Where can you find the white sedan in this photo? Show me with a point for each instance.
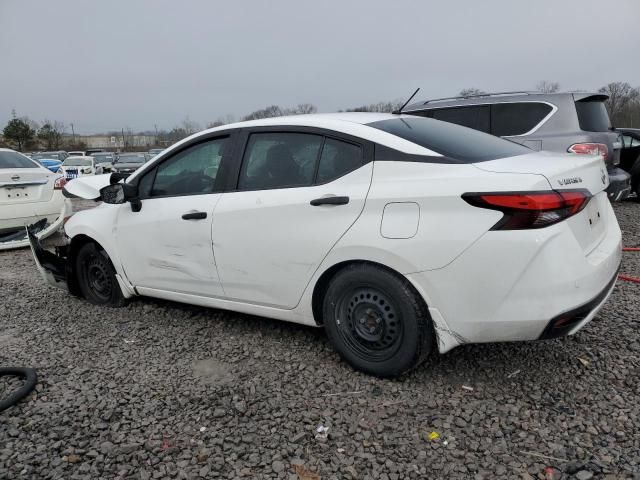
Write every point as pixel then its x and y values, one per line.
pixel 29 194
pixel 400 235
pixel 80 166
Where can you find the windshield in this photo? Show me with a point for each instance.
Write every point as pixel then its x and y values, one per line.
pixel 101 158
pixel 459 143
pixel 593 116
pixel 47 156
pixel 15 160
pixel 131 159
pixel 77 162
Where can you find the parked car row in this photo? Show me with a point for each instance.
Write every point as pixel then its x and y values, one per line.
pixel 558 122
pixel 93 161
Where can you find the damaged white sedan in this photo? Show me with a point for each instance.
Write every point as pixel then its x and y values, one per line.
pixel 30 194
pixel 400 235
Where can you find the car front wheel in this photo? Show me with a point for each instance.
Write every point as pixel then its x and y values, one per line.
pixel 97 277
pixel 376 321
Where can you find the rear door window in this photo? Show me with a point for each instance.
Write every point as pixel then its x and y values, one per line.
pixel 517 118
pixel 593 116
pixel 15 160
pixel 338 158
pixel 477 116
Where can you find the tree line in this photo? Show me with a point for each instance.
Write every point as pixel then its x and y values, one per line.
pixel 23 133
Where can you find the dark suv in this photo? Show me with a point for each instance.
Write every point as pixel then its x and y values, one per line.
pixel 558 122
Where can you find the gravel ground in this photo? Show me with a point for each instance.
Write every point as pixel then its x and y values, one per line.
pixel 160 389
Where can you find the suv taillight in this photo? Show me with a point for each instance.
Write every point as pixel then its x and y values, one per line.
pixel 525 210
pixel 59 183
pixel 590 149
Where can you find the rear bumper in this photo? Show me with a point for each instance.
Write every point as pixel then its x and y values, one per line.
pixel 53 222
pixel 619 184
pixel 508 286
pixel 570 322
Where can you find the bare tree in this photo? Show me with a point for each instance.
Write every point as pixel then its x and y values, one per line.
pixel 189 126
pixel 468 92
pixel 270 111
pixel 51 134
pixel 547 87
pixel 623 102
pixel 301 109
pixel 382 107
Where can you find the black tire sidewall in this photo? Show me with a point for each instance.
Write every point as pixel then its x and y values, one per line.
pixel 116 298
pixel 417 337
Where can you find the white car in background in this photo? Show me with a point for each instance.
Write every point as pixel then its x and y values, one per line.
pixel 399 234
pixel 74 167
pixel 30 194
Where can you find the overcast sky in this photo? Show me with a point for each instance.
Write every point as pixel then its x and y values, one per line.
pixel 133 63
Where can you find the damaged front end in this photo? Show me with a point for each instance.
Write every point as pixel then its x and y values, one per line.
pixel 51 256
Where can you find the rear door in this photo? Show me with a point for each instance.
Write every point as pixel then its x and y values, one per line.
pixel 593 118
pixel 297 192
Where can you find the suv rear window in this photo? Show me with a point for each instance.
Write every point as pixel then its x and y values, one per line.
pixel 476 117
pixel 459 143
pixel 15 160
pixel 593 116
pixel 517 118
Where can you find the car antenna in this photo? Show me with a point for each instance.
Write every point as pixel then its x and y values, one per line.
pixel 399 111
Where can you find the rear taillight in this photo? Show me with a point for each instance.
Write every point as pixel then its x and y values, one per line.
pixel 524 210
pixel 59 183
pixel 590 149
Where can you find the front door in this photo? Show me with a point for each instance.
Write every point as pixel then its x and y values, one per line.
pixel 297 194
pixel 167 244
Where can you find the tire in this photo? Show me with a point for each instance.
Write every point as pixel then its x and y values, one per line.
pixel 30 380
pixel 97 277
pixel 376 321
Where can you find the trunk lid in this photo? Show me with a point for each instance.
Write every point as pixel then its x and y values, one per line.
pixel 562 171
pixel 25 185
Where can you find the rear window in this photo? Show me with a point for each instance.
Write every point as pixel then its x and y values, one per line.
pixel 459 143
pixel 517 118
pixel 15 160
pixel 593 116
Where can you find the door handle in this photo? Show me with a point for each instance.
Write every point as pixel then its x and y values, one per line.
pixel 194 216
pixel 329 201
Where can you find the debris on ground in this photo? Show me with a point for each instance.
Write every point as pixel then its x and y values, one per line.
pixel 322 432
pixel 304 474
pixel 433 436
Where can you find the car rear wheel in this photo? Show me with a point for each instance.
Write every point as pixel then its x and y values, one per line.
pixel 97 277
pixel 376 321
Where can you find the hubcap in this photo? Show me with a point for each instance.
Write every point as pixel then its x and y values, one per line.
pixel 369 323
pixel 98 277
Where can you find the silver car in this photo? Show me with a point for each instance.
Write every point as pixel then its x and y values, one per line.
pixel 559 122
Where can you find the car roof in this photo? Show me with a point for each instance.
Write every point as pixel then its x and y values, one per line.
pixel 350 123
pixel 499 97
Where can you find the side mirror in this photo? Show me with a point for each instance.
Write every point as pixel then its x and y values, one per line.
pixel 113 194
pixel 118 193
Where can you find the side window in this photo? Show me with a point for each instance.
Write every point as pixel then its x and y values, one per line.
pixel 277 160
pixel 517 118
pixel 338 158
pixel 628 142
pixel 476 117
pixel 190 172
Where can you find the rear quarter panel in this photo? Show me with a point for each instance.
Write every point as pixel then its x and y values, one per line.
pixel 447 224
